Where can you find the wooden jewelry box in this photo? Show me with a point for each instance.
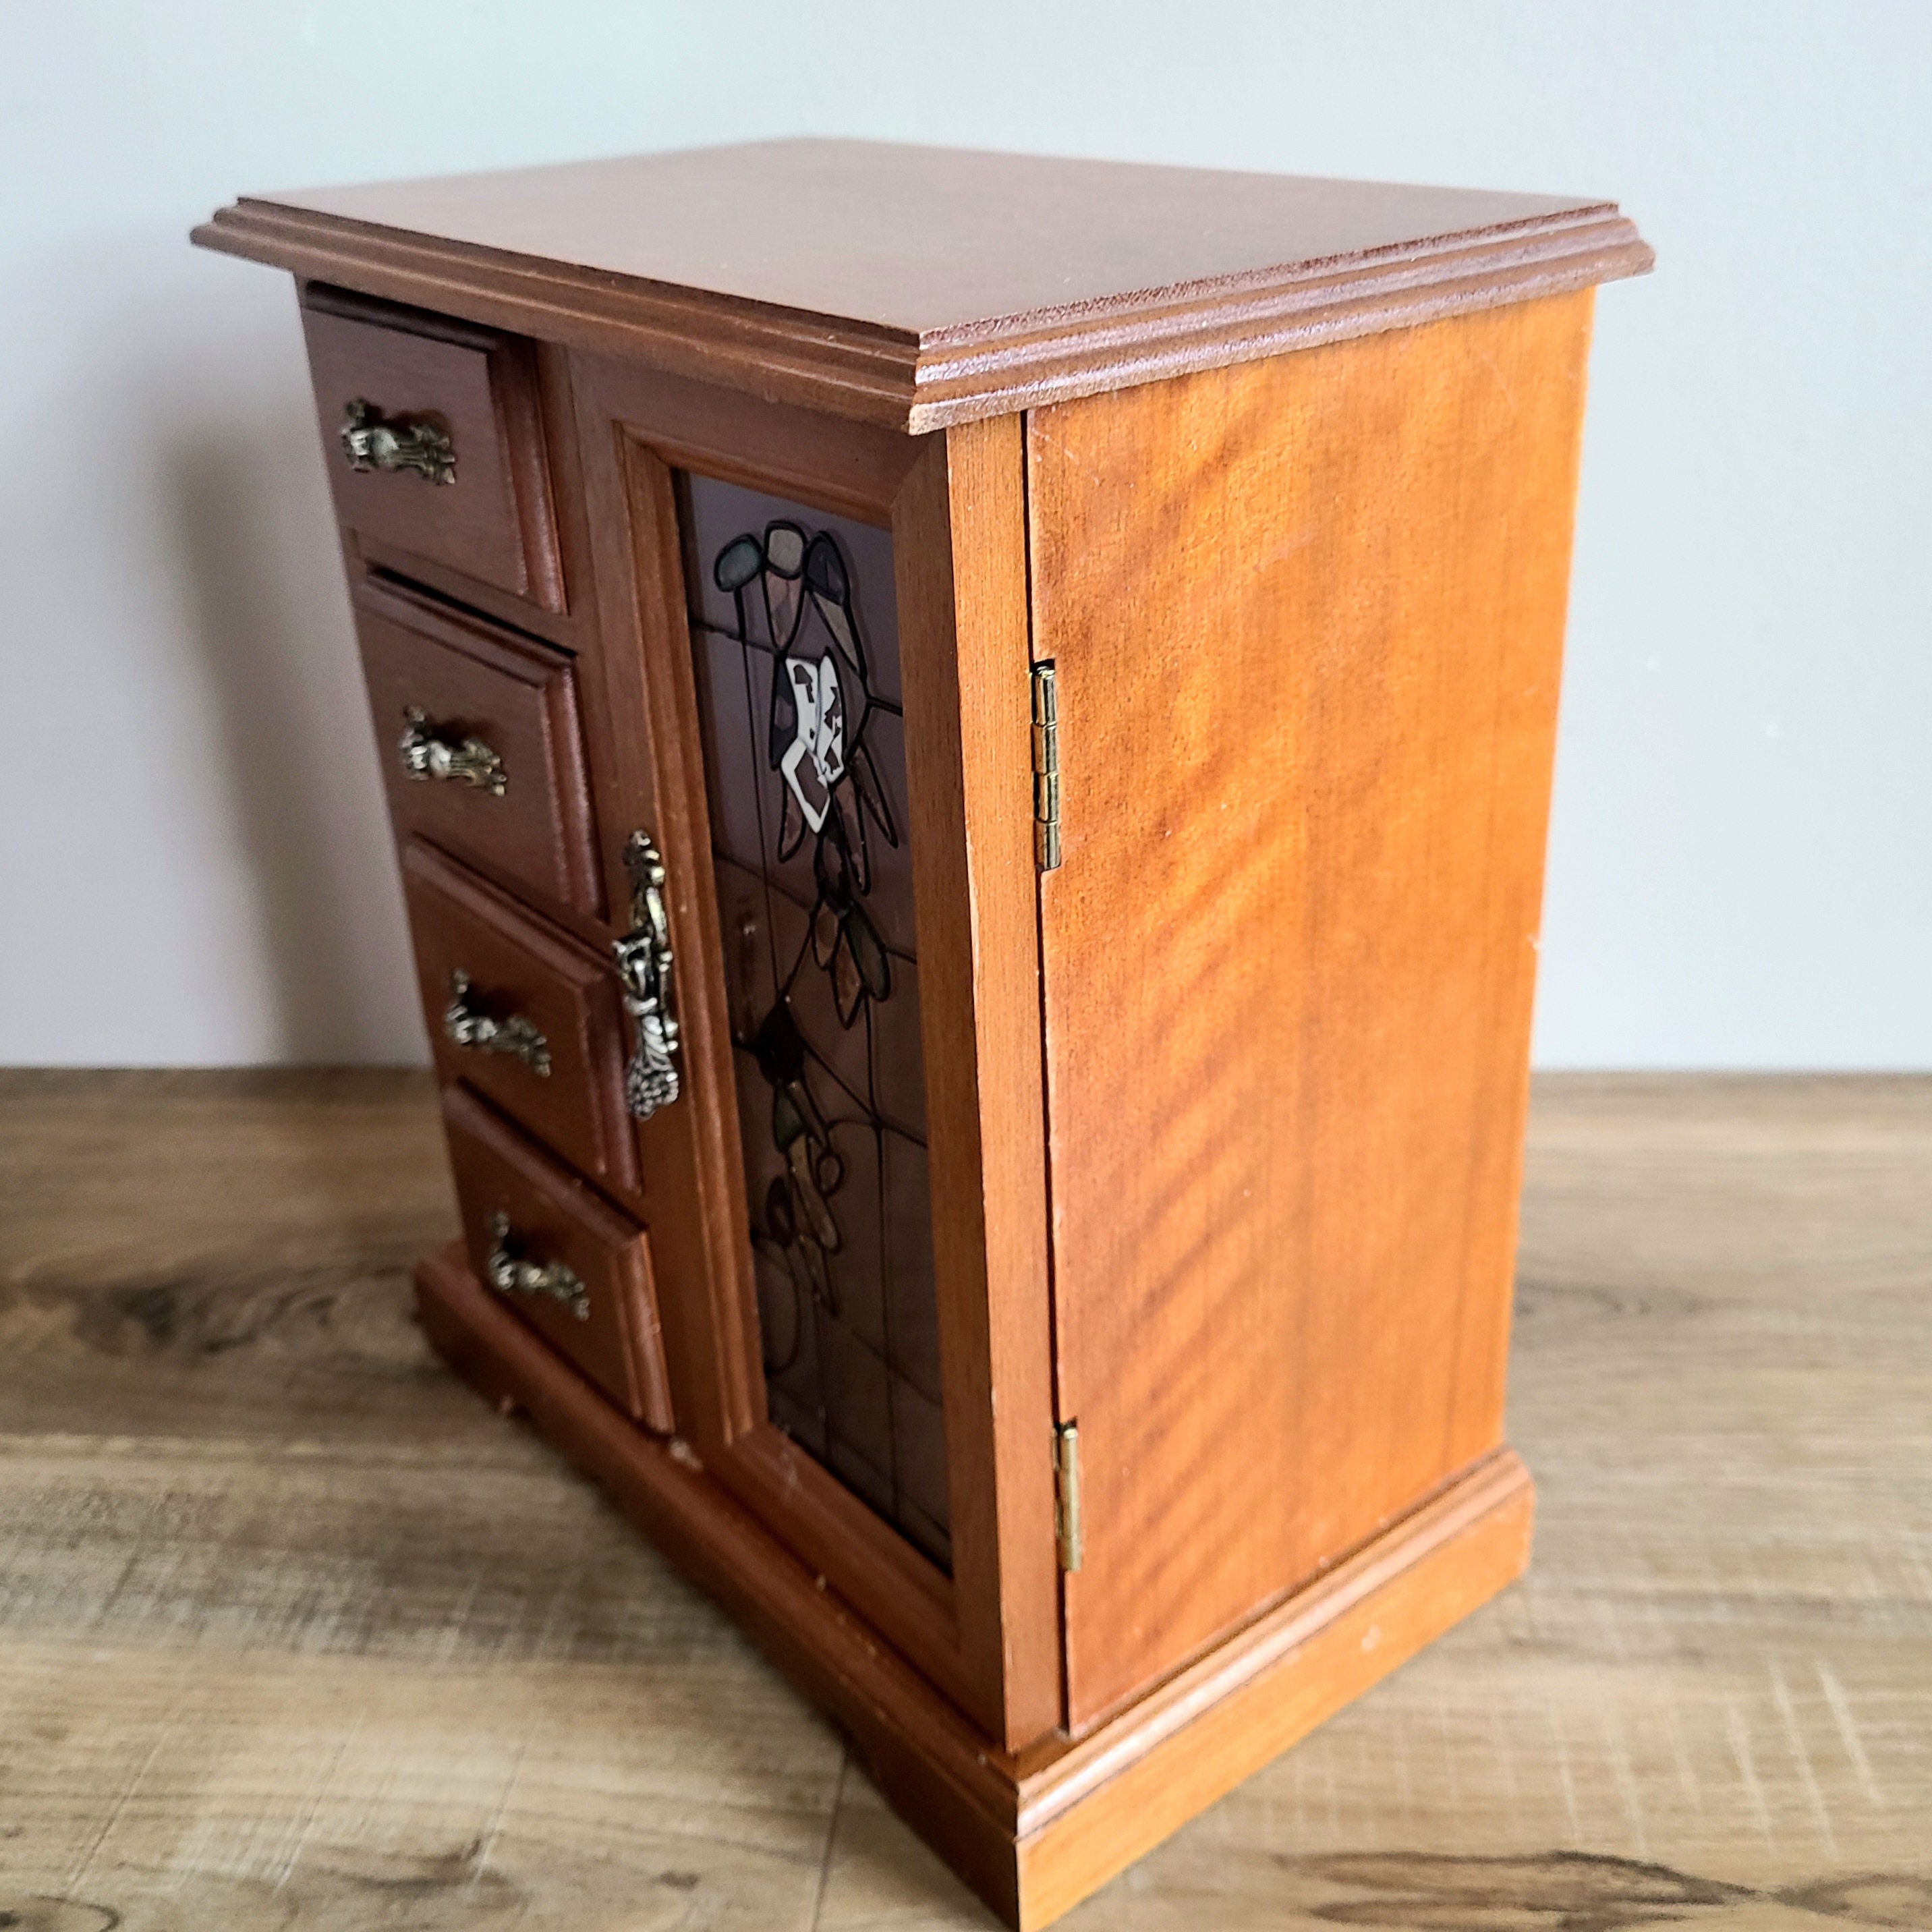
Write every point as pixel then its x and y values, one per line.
pixel 969 738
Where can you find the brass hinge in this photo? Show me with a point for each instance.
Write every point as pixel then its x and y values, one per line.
pixel 1045 768
pixel 1066 1493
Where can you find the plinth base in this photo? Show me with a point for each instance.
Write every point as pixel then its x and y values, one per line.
pixel 1033 1833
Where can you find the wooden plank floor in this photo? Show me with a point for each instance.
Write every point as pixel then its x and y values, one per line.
pixel 294 1632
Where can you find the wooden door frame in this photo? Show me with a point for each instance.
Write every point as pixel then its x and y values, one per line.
pixel 989 1635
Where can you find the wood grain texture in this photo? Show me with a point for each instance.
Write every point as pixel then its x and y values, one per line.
pixel 295 1632
pixel 933 286
pixel 1034 1833
pixel 631 424
pixel 1307 617
pixel 471 679
pixel 519 968
pixel 960 555
pixel 1153 1770
pixel 854 468
pixel 496 522
pixel 989 1634
pixel 555 1217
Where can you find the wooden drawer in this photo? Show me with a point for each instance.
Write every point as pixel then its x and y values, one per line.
pixel 545 1024
pixel 481 744
pixel 571 1265
pixel 474 494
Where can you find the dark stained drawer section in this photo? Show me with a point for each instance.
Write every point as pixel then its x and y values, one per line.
pixel 527 1014
pixel 575 1269
pixel 447 414
pixel 481 744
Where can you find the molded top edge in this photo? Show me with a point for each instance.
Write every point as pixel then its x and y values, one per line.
pixel 936 268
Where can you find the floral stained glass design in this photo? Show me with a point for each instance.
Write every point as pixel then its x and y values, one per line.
pixel 795 642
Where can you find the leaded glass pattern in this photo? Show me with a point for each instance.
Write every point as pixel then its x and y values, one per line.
pixel 795 641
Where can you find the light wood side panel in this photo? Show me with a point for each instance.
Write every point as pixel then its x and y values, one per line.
pixel 1297 1669
pixel 960 546
pixel 1307 616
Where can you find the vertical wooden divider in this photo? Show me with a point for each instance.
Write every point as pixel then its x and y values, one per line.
pixel 959 530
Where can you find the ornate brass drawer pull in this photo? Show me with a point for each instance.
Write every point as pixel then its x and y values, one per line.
pixel 547 1281
pixel 428 754
pixel 467 1025
pixel 643 964
pixel 398 443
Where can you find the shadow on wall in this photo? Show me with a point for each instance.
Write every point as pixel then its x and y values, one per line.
pixel 270 619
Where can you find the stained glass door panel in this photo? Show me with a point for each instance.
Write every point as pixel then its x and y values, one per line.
pixel 795 642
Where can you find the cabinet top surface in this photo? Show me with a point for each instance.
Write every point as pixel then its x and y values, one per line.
pixel 924 241
pixel 922 257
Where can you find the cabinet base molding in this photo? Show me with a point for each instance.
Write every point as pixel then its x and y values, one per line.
pixel 1032 1833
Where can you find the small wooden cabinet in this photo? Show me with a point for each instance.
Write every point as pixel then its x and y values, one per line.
pixel 971 740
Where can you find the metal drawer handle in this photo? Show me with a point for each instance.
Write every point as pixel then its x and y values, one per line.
pixel 547 1281
pixel 415 443
pixel 643 965
pixel 467 1025
pixel 428 752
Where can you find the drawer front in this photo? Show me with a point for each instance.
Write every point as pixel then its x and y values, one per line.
pixel 448 459
pixel 526 1015
pixel 570 1264
pixel 482 744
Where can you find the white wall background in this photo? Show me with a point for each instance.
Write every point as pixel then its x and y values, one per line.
pixel 193 867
